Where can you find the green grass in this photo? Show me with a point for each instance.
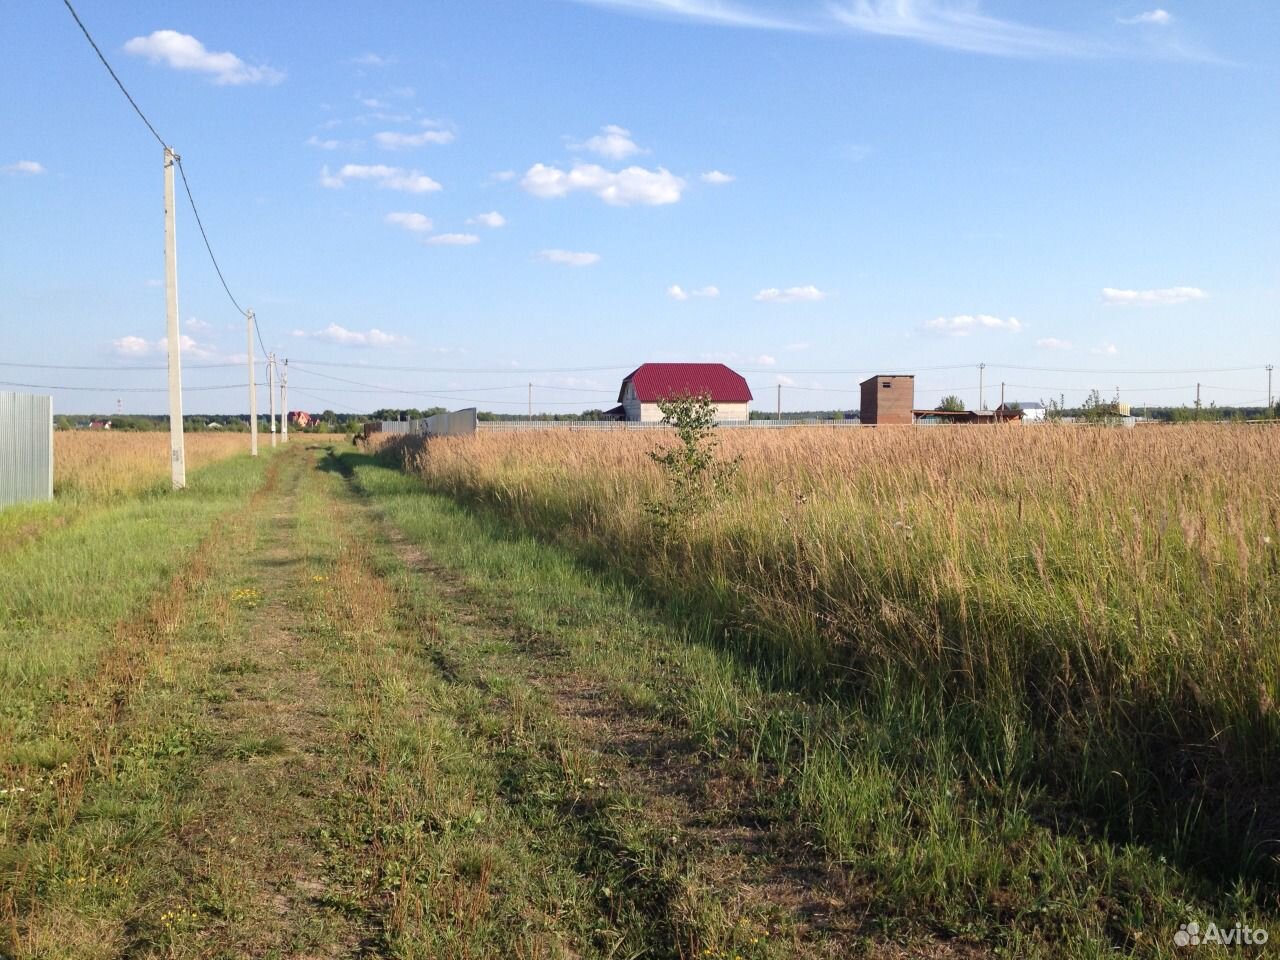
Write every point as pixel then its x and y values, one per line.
pixel 940 842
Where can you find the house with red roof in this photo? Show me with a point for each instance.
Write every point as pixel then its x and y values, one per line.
pixel 649 383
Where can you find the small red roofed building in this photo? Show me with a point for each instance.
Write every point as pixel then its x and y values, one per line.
pixel 649 383
pixel 300 418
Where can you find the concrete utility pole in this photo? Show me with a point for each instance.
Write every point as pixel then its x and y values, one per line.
pixel 177 444
pixel 1197 396
pixel 1270 367
pixel 1002 394
pixel 253 392
pixel 982 401
pixel 284 402
pixel 779 402
pixel 271 395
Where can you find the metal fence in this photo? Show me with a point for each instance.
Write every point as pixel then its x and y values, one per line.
pixel 515 426
pixel 459 423
pixel 26 448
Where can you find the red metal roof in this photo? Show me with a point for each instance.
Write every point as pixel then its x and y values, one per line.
pixel 657 381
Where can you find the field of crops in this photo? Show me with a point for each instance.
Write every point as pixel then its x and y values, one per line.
pixel 1086 613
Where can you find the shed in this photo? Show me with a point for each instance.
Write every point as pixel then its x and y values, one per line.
pixel 650 383
pixel 888 398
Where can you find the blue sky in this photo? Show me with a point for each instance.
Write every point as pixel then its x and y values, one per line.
pixel 553 191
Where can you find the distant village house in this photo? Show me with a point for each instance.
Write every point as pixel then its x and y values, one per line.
pixel 650 383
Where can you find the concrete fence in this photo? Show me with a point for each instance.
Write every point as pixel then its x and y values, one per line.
pixel 26 448
pixel 516 426
pixel 459 423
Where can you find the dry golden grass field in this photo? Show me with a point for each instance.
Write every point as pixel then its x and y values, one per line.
pixel 100 463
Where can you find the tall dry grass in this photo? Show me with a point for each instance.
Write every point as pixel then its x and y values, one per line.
pixel 103 464
pixel 1093 611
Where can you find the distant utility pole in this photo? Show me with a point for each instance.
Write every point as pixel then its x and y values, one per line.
pixel 982 401
pixel 271 395
pixel 284 402
pixel 1197 396
pixel 531 401
pixel 779 401
pixel 253 392
pixel 1001 394
pixel 1270 367
pixel 177 445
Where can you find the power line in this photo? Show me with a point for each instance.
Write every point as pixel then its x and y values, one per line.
pixel 58 386
pixel 205 237
pixel 127 96
pixel 114 369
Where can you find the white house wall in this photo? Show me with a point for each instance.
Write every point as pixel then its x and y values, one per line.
pixel 649 412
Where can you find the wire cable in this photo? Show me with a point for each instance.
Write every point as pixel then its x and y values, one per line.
pixel 207 246
pixel 133 103
pixel 117 368
pixel 58 386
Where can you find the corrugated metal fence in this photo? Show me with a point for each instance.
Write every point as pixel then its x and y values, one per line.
pixel 26 448
pixel 459 423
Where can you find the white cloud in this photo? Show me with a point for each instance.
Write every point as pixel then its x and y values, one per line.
pixel 765 360
pixel 391 140
pixel 1164 296
pixel 957 25
pixel 454 239
pixel 632 185
pixel 328 144
pixel 372 60
pixel 569 258
pixel 413 222
pixel 784 380
pixel 491 219
pixel 181 51
pixel 707 11
pixel 197 325
pixel 134 347
pixel 1156 17
pixel 1053 343
pixel 391 178
pixel 29 167
pixel 1106 350
pixel 717 178
pixel 334 333
pixel 965 324
pixel 613 142
pixel 790 295
pixel 677 292
pixel 503 176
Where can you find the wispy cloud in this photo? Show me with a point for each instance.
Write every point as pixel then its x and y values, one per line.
pixel 707 11
pixel 334 333
pixel 1106 350
pixel 1156 17
pixel 390 178
pixel 493 219
pixel 633 185
pixel 1163 297
pixel 569 258
pixel 413 222
pixel 23 167
pixel 808 293
pixel 613 142
pixel 373 60
pixel 798 347
pixel 717 178
pixel 1053 343
pixel 677 292
pixel 958 26
pixel 395 140
pixel 453 240
pixel 964 324
pixel 181 51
